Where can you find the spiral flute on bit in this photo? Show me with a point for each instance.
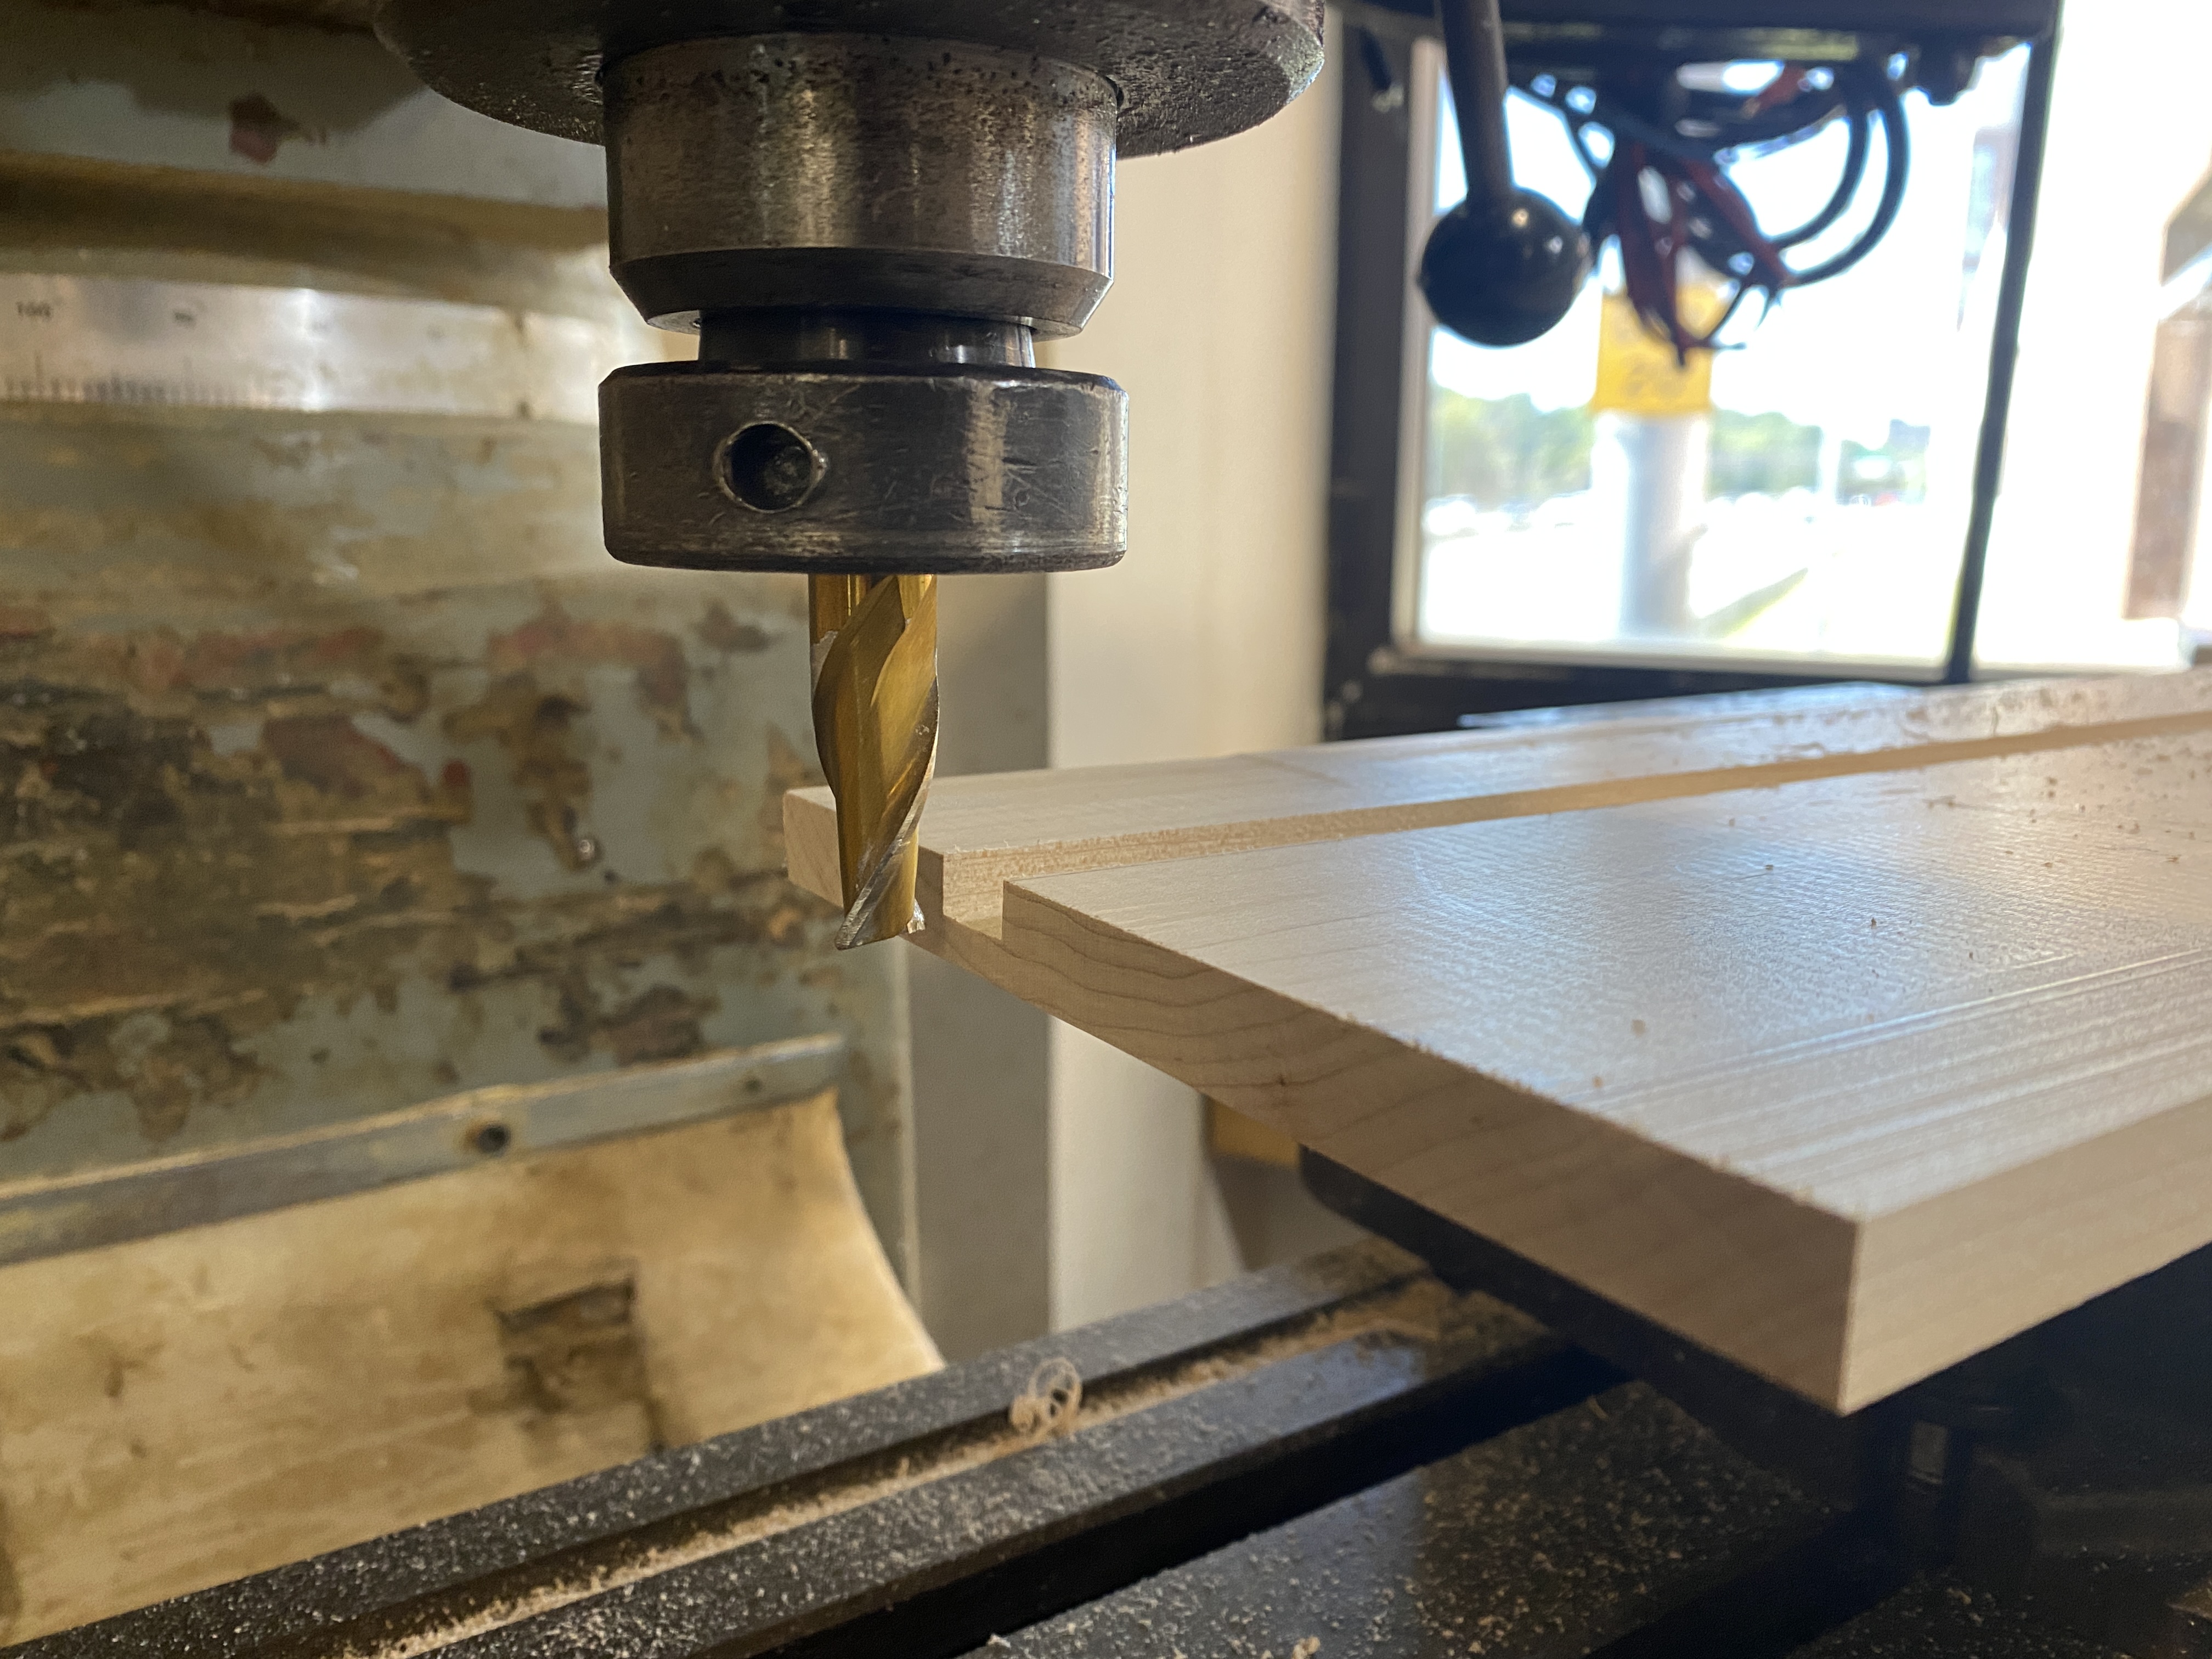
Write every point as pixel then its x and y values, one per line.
pixel 875 727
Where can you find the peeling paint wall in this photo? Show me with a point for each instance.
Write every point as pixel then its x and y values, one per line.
pixel 291 90
pixel 340 768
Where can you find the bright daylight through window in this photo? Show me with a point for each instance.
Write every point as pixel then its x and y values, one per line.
pixel 1802 501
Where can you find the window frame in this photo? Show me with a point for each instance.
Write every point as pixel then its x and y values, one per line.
pixel 1372 685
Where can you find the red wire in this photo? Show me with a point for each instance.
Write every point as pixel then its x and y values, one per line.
pixel 1650 255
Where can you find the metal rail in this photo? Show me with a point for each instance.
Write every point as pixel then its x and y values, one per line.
pixel 54 1214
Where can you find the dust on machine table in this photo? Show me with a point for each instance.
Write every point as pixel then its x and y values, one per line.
pixel 1344 1456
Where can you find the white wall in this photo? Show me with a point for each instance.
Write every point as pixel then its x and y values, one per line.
pixel 982 1061
pixel 2129 132
pixel 1207 639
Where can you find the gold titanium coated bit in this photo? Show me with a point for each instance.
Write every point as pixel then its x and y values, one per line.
pixel 875 727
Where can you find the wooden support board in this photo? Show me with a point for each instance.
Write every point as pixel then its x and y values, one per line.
pixel 1846 1041
pixel 182 1410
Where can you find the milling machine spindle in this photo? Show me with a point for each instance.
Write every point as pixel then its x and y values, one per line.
pixel 869 219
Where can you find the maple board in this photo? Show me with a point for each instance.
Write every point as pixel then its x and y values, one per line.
pixel 980 832
pixel 1845 1036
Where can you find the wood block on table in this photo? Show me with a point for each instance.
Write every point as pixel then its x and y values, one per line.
pixel 1845 1042
pixel 188 1408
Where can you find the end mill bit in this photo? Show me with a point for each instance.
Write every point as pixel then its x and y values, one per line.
pixel 875 726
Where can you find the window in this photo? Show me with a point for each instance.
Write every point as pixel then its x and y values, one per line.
pixel 1583 519
pixel 1570 503
pixel 2096 546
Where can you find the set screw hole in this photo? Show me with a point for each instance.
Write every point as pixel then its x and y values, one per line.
pixel 769 467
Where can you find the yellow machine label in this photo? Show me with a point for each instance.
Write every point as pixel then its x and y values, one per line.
pixel 1637 374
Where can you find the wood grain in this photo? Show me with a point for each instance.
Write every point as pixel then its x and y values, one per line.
pixel 1845 1076
pixel 180 1411
pixel 979 833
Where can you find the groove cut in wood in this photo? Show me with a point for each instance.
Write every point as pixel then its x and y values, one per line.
pixel 979 833
pixel 1844 1074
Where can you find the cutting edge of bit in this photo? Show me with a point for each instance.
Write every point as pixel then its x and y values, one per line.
pixel 875 706
pixel 896 867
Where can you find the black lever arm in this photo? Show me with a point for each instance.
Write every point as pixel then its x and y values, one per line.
pixel 1474 51
pixel 1505 265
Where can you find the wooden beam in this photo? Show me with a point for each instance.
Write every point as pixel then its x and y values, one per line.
pixel 1861 1057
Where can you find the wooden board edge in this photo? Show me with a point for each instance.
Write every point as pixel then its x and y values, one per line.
pixel 810 843
pixel 1757 1276
pixel 1927 1293
pixel 968 883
